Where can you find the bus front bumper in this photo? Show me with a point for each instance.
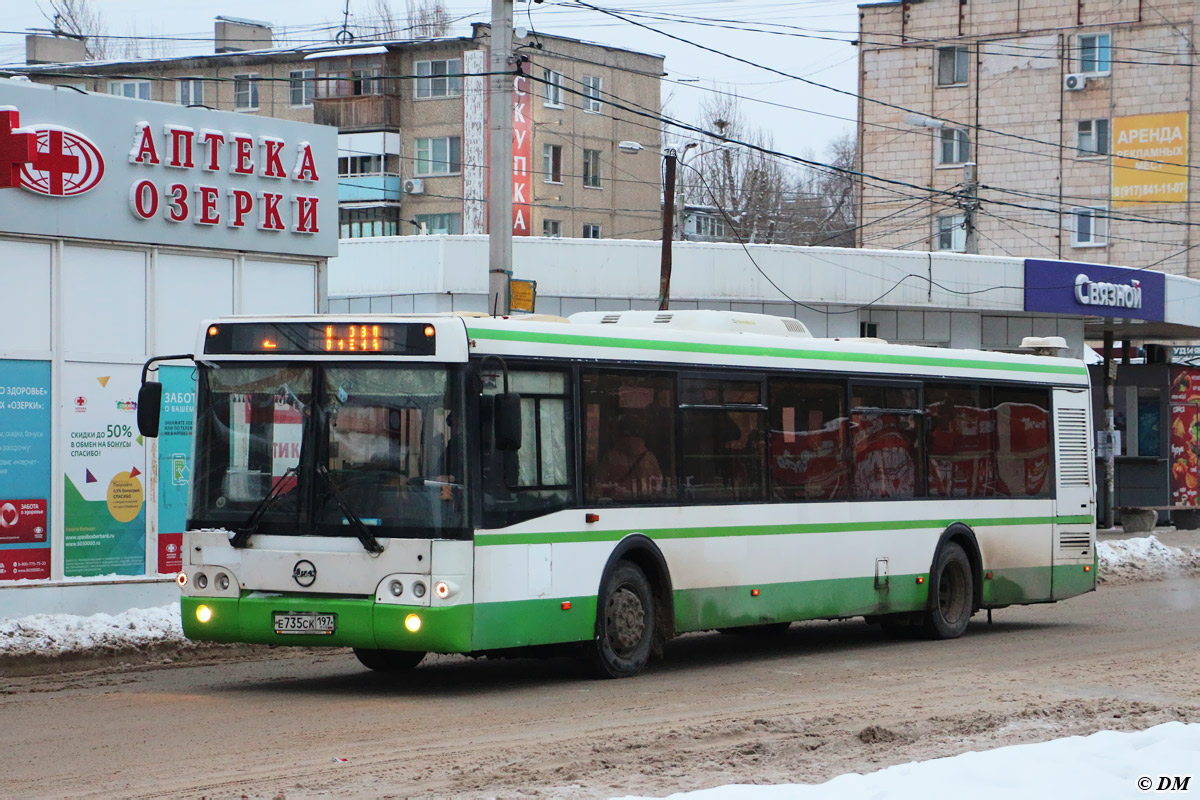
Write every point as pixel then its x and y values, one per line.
pixel 360 623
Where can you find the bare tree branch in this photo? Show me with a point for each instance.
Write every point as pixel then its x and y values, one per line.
pixel 78 18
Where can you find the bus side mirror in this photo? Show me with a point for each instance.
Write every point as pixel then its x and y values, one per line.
pixel 507 419
pixel 149 409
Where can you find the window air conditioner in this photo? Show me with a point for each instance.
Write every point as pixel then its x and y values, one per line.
pixel 1075 83
pixel 414 186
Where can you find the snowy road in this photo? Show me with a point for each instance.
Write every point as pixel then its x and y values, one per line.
pixel 820 701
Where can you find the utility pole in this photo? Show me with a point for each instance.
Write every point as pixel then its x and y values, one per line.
pixel 500 127
pixel 970 204
pixel 670 157
pixel 1110 468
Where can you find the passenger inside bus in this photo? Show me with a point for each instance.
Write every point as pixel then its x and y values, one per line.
pixel 629 471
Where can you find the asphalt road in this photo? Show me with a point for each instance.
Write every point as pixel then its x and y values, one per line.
pixel 822 699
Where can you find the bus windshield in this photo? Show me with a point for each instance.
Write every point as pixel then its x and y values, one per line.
pixel 380 441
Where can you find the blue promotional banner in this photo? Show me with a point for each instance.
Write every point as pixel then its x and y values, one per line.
pixel 174 462
pixel 1094 290
pixel 25 420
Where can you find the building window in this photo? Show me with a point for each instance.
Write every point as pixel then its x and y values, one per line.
pixel 1091 137
pixel 360 165
pixel 368 80
pixel 953 64
pixel 359 222
pixel 1095 54
pixel 708 227
pixel 439 78
pixel 446 224
pixel 1089 226
pixel 553 83
pixel 591 168
pixel 302 85
pixel 552 162
pixel 950 233
pixel 245 92
pixel 591 94
pixel 190 91
pixel 591 231
pixel 551 228
pixel 138 90
pixel 439 156
pixel 954 146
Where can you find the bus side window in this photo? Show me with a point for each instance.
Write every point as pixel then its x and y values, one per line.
pixel 960 441
pixel 722 446
pixel 886 434
pixel 629 437
pixel 810 455
pixel 543 464
pixel 1023 455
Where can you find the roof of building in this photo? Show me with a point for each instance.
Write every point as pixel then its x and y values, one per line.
pixel 297 53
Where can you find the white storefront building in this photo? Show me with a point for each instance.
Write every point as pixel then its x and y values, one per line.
pixel 123 224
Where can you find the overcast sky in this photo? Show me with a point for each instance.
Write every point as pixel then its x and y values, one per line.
pixel 811 119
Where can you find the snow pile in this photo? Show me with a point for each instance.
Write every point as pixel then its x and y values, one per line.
pixel 1104 766
pixel 1144 559
pixel 63 634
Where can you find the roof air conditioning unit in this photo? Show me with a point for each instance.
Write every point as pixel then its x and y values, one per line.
pixel 414 186
pixel 1075 83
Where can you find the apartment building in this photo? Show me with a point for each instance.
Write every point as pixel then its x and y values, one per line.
pixel 412 121
pixel 1075 114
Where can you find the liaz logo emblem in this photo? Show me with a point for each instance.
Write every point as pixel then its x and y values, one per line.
pixel 47 159
pixel 304 573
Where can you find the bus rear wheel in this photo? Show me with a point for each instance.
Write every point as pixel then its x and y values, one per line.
pixel 951 594
pixel 624 624
pixel 388 660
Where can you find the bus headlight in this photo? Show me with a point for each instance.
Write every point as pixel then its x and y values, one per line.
pixel 204 613
pixel 222 581
pixel 418 589
pixel 201 581
pixel 396 588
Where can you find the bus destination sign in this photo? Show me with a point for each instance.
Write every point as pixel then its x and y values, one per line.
pixel 308 338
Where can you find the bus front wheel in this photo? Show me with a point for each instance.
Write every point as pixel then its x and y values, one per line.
pixel 388 660
pixel 624 624
pixel 951 594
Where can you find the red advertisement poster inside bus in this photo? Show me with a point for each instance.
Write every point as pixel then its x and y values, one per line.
pixel 1022 449
pixel 960 452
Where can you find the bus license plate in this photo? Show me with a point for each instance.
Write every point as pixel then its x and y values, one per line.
pixel 319 624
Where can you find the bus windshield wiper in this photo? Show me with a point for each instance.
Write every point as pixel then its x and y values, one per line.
pixel 242 537
pixel 369 542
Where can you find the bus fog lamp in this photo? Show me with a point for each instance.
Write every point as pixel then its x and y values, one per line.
pixel 396 588
pixel 201 580
pixel 222 581
pixel 413 623
pixel 418 589
pixel 204 613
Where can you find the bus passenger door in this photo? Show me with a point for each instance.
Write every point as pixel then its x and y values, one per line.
pixel 1075 501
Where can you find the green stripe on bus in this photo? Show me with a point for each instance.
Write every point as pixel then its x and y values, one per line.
pixel 773 352
pixel 562 537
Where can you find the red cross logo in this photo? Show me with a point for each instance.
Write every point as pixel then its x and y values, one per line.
pixel 17 147
pixel 56 162
pixel 66 163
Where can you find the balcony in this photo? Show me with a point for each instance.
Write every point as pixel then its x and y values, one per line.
pixel 367 188
pixel 358 112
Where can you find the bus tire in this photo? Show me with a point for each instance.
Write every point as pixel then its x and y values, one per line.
pixel 625 617
pixel 388 660
pixel 951 593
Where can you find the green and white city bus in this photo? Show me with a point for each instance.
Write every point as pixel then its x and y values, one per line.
pixel 468 484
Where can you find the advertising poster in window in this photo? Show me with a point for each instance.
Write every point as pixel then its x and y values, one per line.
pixel 25 420
pixel 1150 157
pixel 174 462
pixel 103 481
pixel 1185 436
pixel 1022 449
